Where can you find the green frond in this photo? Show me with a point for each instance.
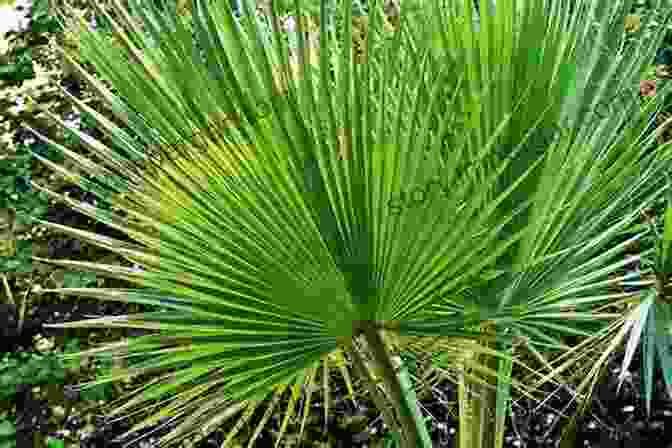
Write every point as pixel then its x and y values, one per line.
pixel 290 190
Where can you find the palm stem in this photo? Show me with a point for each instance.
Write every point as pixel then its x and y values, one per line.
pixel 383 361
pixel 371 384
pixel 477 404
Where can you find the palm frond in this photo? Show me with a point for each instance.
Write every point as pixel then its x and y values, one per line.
pixel 288 197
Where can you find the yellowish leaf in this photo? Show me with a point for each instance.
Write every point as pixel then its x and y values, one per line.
pixel 633 23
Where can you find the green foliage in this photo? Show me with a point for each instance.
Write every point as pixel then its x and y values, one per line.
pixel 71 347
pixel 70 138
pixel 521 242
pixel 23 368
pixel 103 363
pixel 7 434
pixel 100 391
pixel 55 443
pixel 647 31
pixel 16 193
pixel 43 20
pixel 21 68
pixel 409 359
pixel 655 323
pixel 88 121
pixel 21 261
pixel 72 279
pixel 48 151
pixel 393 438
pixel 287 6
pixel 15 190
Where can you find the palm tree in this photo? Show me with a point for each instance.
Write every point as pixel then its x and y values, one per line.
pixel 454 193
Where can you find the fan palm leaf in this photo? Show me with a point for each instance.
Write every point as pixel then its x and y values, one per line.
pixel 292 206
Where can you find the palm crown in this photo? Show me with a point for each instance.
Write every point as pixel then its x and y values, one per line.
pixel 297 197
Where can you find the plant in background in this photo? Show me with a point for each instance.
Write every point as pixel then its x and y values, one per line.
pixel 53 442
pixel 78 279
pixel 28 369
pixel 19 203
pixel 21 261
pixel 7 433
pixel 42 18
pixel 103 366
pixel 19 67
pixel 653 27
pixel 15 190
pixel 277 256
pixel 654 313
